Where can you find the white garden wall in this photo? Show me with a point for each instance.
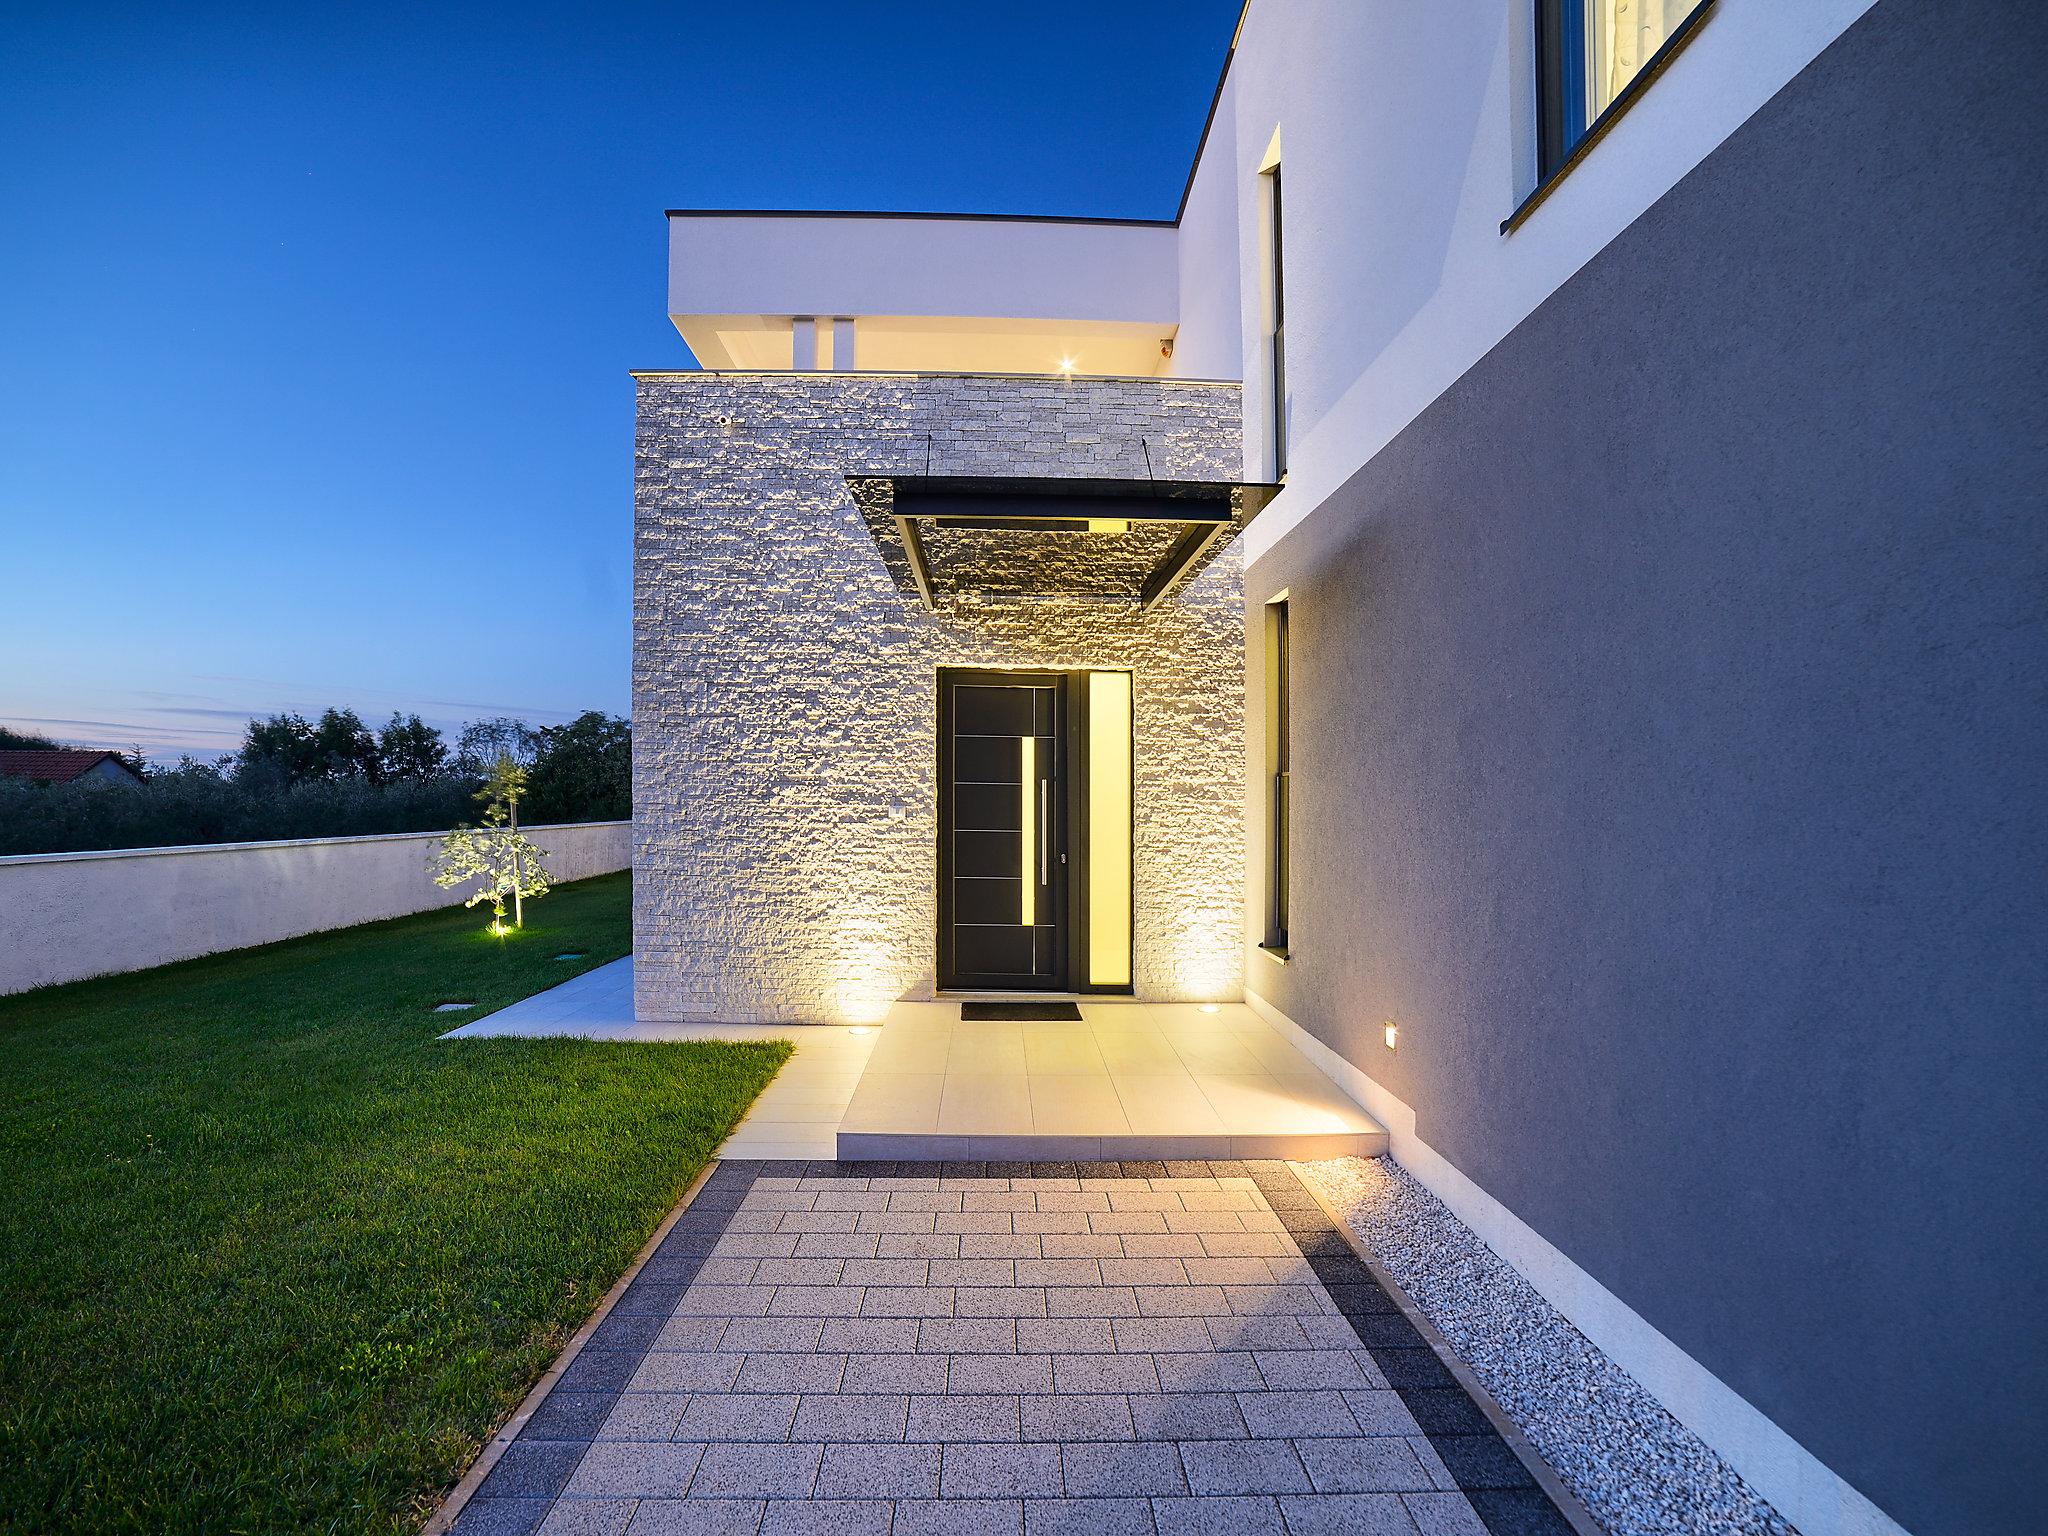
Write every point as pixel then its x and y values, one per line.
pixel 64 916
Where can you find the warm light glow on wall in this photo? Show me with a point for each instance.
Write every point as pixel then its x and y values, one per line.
pixel 1109 829
pixel 1027 840
pixel 1109 525
pixel 867 982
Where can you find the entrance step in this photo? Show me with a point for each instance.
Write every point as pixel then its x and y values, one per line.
pixel 1128 1081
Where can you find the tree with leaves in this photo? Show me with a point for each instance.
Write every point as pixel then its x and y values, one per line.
pixel 583 771
pixel 410 751
pixel 496 857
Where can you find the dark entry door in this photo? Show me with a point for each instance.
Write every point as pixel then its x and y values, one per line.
pixel 1002 830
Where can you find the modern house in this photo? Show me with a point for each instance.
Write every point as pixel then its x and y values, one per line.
pixel 1531 581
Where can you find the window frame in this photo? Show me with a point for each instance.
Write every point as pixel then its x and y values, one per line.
pixel 1560 58
pixel 1276 341
pixel 1279 774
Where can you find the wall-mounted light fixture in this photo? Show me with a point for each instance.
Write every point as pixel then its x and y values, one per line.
pixel 1392 1035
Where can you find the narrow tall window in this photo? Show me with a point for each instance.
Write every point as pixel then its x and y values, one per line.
pixel 1592 56
pixel 1278 354
pixel 1279 764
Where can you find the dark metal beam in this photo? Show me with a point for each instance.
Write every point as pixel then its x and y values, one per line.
pixel 1193 545
pixel 913 549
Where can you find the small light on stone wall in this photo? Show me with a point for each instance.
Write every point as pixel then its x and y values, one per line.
pixel 1392 1035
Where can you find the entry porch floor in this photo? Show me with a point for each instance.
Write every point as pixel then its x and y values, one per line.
pixel 1130 1080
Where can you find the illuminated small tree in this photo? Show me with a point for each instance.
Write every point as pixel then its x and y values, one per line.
pixel 497 857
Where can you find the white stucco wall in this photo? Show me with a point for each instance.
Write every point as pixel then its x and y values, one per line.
pixel 64 916
pixel 1408 133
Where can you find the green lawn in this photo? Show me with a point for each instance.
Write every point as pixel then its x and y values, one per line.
pixel 272 1259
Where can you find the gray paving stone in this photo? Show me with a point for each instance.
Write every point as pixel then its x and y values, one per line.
pixel 1087 1517
pixel 625 1470
pixel 917 1245
pixel 895 1373
pixel 973 1272
pixel 1219 1372
pixel 889 1272
pixel 1187 1416
pixel 664 1372
pixel 696 1517
pixel 967 1336
pixel 800 1271
pixel 1184 1301
pixel 1257 1333
pixel 588 1517
pixel 879 1472
pixel 1346 1514
pixel 1104 1373
pixel 958 1417
pixel 1109 1470
pixel 1383 1465
pixel 1289 1415
pixel 1277 1300
pixel 1161 1335
pixel 1443 1514
pixel 835 1245
pixel 959 1517
pixel 1065 1335
pixel 1381 1413
pixel 788 1373
pixel 763 1335
pixel 1212 1515
pixel 644 1416
pixel 818 1301
pixel 738 1416
pixel 1243 1466
pixel 1082 1245
pixel 999 1373
pixel 487 1516
pixel 1308 1368
pixel 850 1416
pixel 999 1301
pixel 870 1335
pixel 826 1517
pixel 1091 1301
pixel 1076 1417
pixel 730 1271
pixel 691 1333
pixel 724 1301
pixel 756 1471
pixel 1000 1472
pixel 1002 1245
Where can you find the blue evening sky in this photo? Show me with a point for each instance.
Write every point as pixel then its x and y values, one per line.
pixel 315 320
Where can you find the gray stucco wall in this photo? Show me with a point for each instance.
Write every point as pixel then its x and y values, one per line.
pixel 785 687
pixel 1670 764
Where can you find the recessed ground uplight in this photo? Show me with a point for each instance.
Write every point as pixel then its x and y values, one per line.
pixel 575 954
pixel 452 1007
pixel 1209 1008
pixel 862 1029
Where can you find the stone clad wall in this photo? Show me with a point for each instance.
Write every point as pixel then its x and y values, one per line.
pixel 785 688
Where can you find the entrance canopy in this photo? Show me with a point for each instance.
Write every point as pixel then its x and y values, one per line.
pixel 1120 541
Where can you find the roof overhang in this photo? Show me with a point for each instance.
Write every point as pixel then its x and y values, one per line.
pixel 1119 541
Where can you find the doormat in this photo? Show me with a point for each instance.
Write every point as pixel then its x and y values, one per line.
pixel 1019 1013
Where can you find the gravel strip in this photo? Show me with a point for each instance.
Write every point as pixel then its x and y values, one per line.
pixel 1639 1470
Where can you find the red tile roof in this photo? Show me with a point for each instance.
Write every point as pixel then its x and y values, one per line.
pixel 56 766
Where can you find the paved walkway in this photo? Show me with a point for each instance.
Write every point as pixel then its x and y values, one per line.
pixel 902 1349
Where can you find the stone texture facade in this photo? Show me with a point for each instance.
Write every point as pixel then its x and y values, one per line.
pixel 785 686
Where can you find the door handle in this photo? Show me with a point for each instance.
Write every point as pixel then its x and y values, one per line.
pixel 1045 831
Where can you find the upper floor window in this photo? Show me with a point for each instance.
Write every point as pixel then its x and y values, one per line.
pixel 1277 326
pixel 1592 56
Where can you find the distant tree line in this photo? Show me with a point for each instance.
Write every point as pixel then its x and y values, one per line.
pixel 329 777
